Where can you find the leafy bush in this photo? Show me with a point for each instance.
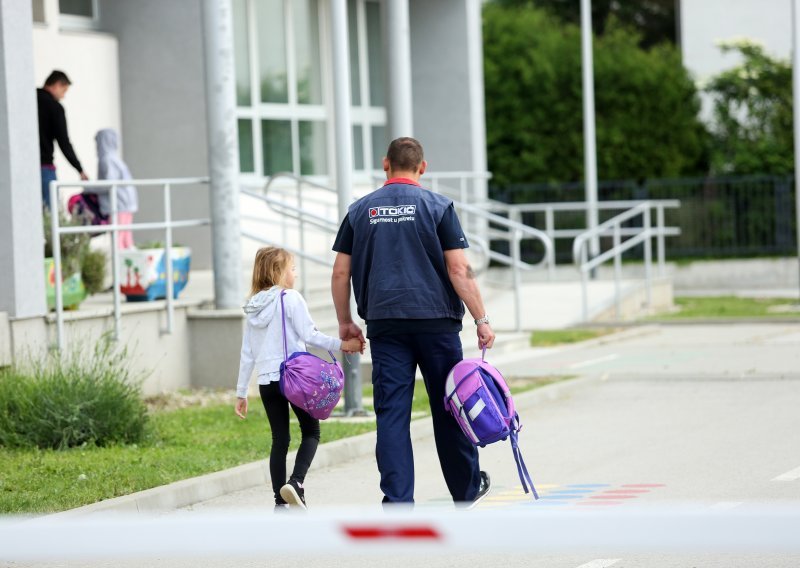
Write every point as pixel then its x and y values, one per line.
pixel 88 397
pixel 752 127
pixel 93 270
pixel 646 102
pixel 73 245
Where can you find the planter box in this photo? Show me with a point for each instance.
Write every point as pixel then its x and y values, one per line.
pixel 143 273
pixel 73 291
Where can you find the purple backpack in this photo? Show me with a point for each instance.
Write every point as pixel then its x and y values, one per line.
pixel 478 397
pixel 309 382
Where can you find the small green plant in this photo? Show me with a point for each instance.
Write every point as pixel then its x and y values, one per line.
pixel 87 397
pixel 73 245
pixel 93 270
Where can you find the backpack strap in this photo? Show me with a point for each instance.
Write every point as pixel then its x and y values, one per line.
pixel 283 325
pixel 524 476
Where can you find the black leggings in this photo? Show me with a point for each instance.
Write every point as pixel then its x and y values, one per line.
pixel 277 408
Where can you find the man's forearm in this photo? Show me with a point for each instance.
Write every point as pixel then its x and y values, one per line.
pixel 467 289
pixel 340 290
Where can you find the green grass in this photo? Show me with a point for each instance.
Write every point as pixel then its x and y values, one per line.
pixel 731 307
pixel 182 443
pixel 548 337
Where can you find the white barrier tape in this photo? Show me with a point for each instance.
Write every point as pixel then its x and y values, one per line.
pixel 754 530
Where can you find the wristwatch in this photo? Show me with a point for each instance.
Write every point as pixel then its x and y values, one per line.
pixel 484 319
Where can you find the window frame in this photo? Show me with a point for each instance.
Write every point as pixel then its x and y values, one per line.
pixel 363 115
pixel 73 22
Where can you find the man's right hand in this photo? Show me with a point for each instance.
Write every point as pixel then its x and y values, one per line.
pixel 84 177
pixel 350 331
pixel 485 336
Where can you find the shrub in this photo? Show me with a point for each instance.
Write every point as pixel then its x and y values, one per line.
pixel 93 270
pixel 73 245
pixel 646 102
pixel 752 126
pixel 86 397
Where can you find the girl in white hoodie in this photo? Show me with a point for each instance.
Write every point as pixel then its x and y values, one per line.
pixel 262 349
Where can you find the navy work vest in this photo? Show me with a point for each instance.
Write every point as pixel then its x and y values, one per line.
pixel 397 265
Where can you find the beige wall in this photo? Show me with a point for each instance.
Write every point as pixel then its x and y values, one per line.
pixel 91 61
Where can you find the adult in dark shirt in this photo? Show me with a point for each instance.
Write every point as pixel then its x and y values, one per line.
pixel 402 247
pixel 53 128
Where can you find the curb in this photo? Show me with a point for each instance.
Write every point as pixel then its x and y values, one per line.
pixel 209 486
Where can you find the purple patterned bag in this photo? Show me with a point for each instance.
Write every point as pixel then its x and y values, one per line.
pixel 309 382
pixel 478 397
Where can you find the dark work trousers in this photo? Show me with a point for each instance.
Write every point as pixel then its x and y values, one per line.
pixel 394 362
pixel 277 408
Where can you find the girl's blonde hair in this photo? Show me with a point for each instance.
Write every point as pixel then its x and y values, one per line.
pixel 269 268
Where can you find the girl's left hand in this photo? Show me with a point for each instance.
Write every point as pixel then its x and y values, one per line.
pixel 241 408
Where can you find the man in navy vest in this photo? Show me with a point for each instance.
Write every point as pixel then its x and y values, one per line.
pixel 403 248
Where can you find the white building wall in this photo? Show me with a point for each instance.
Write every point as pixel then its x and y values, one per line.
pixel 90 59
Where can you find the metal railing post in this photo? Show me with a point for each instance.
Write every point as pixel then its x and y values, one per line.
pixel 660 239
pixel 648 257
pixel 617 272
pixel 549 223
pixel 115 263
pixel 301 227
pixel 584 284
pixel 168 258
pixel 55 240
pixel 515 251
pixel 462 193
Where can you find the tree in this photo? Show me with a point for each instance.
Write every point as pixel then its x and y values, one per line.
pixel 655 20
pixel 752 127
pixel 646 102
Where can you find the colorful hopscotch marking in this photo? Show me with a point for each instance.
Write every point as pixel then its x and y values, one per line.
pixel 576 494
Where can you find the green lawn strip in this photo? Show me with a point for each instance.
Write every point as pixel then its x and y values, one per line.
pixel 182 443
pixel 549 337
pixel 731 307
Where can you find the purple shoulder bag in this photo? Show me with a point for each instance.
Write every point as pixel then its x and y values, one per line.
pixel 310 382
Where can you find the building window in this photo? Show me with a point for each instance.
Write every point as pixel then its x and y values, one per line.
pixel 284 90
pixel 80 14
pixel 38 12
pixel 280 87
pixel 368 84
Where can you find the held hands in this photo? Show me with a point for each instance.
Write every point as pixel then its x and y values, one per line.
pixel 241 408
pixel 485 336
pixel 352 338
pixel 354 345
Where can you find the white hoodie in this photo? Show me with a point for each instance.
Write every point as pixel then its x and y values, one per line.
pixel 262 345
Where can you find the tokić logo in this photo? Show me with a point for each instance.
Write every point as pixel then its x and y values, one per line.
pixel 392 211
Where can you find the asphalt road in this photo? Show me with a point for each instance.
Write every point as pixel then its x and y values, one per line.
pixel 705 416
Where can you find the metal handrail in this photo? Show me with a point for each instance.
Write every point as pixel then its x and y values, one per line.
pixel 514 231
pixel 114 227
pixel 614 227
pixel 515 211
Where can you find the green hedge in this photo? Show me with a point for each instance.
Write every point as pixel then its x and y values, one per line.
pixel 646 102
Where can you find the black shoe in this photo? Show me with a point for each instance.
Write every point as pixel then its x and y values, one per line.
pixel 294 494
pixel 281 508
pixel 483 490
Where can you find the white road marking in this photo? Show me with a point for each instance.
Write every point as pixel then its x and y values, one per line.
pixel 590 362
pixel 789 475
pixel 600 563
pixel 725 505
